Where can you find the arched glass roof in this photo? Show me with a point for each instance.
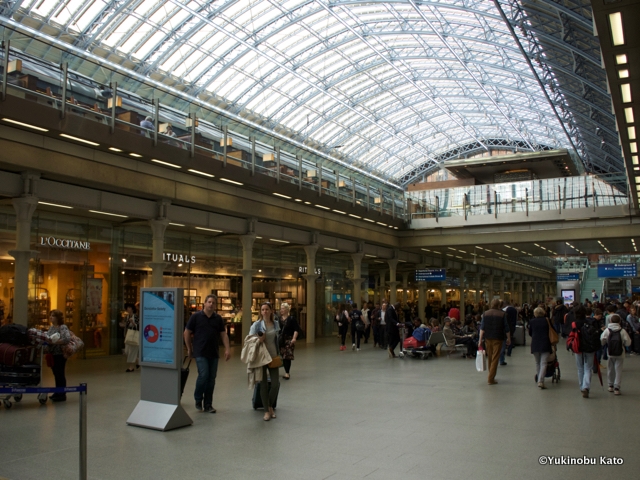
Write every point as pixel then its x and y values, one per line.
pixel 392 84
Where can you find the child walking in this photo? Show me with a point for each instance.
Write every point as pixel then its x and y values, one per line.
pixel 616 339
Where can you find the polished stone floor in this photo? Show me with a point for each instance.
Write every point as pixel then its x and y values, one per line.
pixel 343 415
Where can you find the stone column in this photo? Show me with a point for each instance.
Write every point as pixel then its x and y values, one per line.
pixel 462 273
pixel 490 289
pixel 405 287
pixel 383 281
pixel 25 207
pixel 247 280
pixel 422 300
pixel 393 284
pixel 501 283
pixel 357 278
pixel 157 262
pixel 311 277
pixel 443 293
pixel 376 290
pixel 478 286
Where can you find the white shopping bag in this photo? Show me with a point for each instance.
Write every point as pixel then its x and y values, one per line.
pixel 481 361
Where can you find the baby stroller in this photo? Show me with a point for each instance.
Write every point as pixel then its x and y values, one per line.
pixel 553 367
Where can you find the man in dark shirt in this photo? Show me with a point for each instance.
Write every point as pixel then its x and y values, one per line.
pixel 201 338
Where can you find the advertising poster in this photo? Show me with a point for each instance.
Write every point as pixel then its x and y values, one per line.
pixel 94 296
pixel 158 328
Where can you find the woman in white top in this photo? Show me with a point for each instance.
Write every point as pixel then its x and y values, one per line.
pixel 268 329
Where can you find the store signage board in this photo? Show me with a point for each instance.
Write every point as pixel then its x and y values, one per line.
pixel 161 340
pixel 303 270
pixel 159 327
pixel 178 258
pixel 567 277
pixel 64 243
pixel 431 275
pixel 617 270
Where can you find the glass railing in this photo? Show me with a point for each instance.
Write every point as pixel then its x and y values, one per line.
pixel 124 102
pixel 518 197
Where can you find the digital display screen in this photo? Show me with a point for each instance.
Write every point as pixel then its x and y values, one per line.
pixel 431 275
pixel 158 328
pixel 568 277
pixel 568 296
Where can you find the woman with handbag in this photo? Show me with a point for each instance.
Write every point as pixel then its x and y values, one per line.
pixel 267 329
pixel 56 349
pixel 288 338
pixel 132 337
pixel 342 320
pixel 543 336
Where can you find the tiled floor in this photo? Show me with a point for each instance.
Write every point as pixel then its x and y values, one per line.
pixel 343 415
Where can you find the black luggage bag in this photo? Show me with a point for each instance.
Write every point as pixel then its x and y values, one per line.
pixel 184 375
pixel 24 376
pixel 257 399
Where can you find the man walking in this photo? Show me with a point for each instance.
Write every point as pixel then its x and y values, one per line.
pixel 494 329
pixel 201 338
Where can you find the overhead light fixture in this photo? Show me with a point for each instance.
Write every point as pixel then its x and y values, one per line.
pixel 124 260
pixel 623 73
pixel 323 207
pixel 625 90
pixel 136 155
pixel 370 256
pixel 425 249
pixel 628 115
pixel 617 32
pixel 54 205
pixel 107 213
pixel 176 224
pixel 634 159
pixel 204 174
pixel 81 140
pixel 383 224
pixel 354 216
pixel 307 203
pixel 232 181
pixel 22 124
pixel 282 196
pixel 258 238
pixel 621 59
pixel 339 211
pixel 298 199
pixel 165 163
pixel 209 229
pixel 331 249
pixel 369 220
pixel 633 146
pixel 278 241
pixel 114 149
pixel 631 131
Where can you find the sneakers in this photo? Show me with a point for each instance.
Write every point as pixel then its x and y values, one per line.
pixel 585 393
pixel 343 347
pixel 199 406
pixel 503 364
pixel 357 349
pixel 541 386
pixel 616 391
pixel 611 388
pixel 210 410
pixel 353 347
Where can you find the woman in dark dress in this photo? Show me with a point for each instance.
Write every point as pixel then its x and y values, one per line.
pixel 290 332
pixel 393 325
pixel 541 346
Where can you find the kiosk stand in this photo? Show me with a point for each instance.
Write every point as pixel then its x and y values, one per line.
pixel 161 325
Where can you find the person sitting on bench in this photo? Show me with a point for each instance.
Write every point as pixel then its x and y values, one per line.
pixel 453 340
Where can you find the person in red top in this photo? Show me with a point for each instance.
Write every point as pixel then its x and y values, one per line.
pixel 454 313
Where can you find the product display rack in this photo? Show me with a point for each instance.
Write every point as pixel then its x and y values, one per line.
pixel 71 307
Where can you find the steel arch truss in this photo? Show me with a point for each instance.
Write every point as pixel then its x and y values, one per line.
pixel 399 85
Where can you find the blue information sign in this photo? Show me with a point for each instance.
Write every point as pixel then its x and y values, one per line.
pixel 158 339
pixel 568 277
pixel 617 270
pixel 431 275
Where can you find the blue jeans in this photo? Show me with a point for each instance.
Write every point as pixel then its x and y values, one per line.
pixel 584 362
pixel 505 349
pixel 207 371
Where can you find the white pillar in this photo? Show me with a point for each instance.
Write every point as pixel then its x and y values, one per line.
pixel 247 280
pixel 382 286
pixel 393 284
pixel 405 287
pixel 311 277
pixel 25 207
pixel 157 262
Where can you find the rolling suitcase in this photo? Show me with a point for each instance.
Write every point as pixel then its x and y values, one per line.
pixel 184 375
pixel 518 336
pixel 25 375
pixel 257 399
pixel 15 356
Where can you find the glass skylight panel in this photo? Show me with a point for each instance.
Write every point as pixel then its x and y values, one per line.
pixel 45 8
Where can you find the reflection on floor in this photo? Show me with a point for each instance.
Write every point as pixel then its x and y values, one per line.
pixel 342 415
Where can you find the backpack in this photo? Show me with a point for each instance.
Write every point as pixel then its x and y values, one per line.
pixel 615 343
pixel 421 334
pixel 590 337
pixel 573 340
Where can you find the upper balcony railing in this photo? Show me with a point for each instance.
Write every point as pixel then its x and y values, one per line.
pixel 123 102
pixel 588 192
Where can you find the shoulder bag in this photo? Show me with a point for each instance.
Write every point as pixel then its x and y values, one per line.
pixel 132 338
pixel 553 335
